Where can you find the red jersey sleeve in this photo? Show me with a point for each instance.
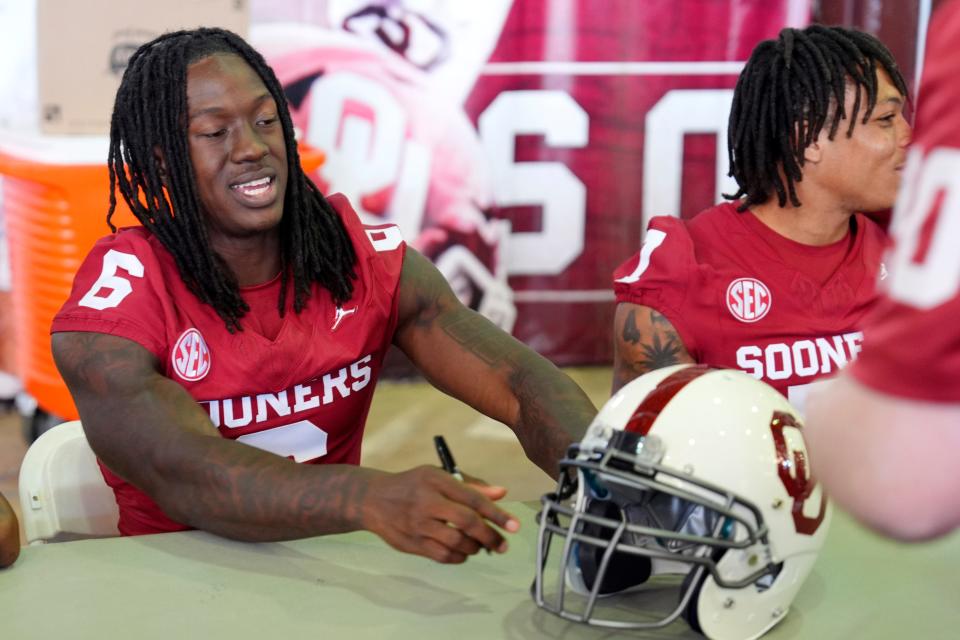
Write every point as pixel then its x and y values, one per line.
pixel 659 275
pixel 912 353
pixel 116 291
pixel 912 341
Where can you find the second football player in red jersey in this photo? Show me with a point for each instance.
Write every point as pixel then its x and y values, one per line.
pixel 242 328
pixel 777 282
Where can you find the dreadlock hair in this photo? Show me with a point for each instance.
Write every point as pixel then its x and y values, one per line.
pixel 787 91
pixel 150 113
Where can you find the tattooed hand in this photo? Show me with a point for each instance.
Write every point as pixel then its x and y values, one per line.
pixel 643 341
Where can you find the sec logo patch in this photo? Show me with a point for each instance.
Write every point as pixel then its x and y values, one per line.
pixel 748 299
pixel 191 357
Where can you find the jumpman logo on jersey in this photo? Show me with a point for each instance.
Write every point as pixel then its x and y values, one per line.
pixel 341 314
pixel 883 271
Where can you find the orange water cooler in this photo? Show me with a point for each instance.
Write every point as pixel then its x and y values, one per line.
pixel 55 195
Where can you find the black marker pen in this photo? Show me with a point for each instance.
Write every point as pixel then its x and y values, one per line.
pixel 446 458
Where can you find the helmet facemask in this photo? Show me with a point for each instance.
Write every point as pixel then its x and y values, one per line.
pixel 693 514
pixel 630 526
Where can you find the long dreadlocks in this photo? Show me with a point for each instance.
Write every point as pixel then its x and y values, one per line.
pixel 150 113
pixel 784 96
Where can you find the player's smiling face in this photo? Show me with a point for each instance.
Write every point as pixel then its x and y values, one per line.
pixel 236 146
pixel 863 171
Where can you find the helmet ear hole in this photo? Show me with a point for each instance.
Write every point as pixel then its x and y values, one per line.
pixel 624 570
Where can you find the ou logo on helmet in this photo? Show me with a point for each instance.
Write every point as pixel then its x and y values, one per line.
pixel 800 483
pixel 748 299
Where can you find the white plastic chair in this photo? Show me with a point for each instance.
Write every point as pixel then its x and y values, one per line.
pixel 62 494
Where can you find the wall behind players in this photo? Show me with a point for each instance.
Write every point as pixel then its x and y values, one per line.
pixel 523 144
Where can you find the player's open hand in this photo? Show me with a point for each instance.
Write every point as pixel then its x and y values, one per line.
pixel 427 512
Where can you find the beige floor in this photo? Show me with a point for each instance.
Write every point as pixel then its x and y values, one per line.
pixel 403 420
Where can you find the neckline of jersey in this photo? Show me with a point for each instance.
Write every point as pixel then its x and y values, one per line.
pixel 269 286
pixel 782 243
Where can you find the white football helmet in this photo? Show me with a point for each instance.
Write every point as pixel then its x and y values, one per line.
pixel 690 495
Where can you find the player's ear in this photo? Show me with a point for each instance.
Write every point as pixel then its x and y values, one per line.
pixel 813 153
pixel 161 165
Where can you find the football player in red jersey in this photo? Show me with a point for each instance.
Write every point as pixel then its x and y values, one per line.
pixel 776 283
pixel 9 534
pixel 885 436
pixel 250 310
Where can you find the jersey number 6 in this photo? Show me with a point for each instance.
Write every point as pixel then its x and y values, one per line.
pixel 118 287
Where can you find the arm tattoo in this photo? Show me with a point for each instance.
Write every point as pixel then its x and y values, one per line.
pixel 148 430
pixel 554 412
pixel 645 344
pixel 465 355
pixel 433 305
pixel 659 320
pixel 476 336
pixel 664 346
pixel 630 331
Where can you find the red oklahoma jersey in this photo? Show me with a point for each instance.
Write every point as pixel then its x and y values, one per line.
pixel 912 342
pixel 302 390
pixel 744 297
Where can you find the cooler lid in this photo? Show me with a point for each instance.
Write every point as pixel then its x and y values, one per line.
pixel 57 150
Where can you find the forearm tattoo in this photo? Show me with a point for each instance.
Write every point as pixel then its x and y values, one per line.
pixel 147 429
pixel 551 411
pixel 476 336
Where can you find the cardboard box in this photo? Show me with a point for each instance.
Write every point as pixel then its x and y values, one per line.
pixel 83 47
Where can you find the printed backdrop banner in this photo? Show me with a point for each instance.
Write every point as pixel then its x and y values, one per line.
pixel 520 144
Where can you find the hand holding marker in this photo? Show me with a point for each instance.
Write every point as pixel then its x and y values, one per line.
pixel 446 458
pixel 450 466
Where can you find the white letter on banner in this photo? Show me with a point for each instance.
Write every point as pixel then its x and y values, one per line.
pixel 678 113
pixel 556 116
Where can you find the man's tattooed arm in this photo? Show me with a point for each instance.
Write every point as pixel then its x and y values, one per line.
pixel 643 340
pixel 147 429
pixel 466 356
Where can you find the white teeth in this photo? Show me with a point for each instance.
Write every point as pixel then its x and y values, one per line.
pixel 252 186
pixel 256 192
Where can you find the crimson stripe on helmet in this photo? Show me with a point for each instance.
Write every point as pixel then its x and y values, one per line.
pixel 646 414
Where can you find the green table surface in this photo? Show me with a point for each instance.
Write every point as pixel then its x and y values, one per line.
pixel 196 585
